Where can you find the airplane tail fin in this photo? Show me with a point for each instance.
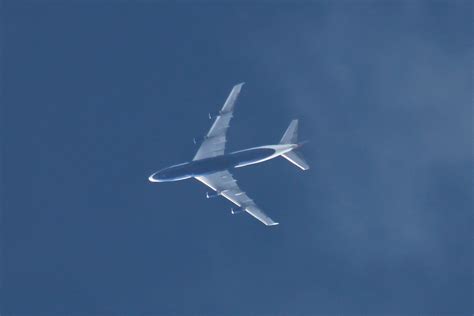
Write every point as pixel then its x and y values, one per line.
pixel 291 137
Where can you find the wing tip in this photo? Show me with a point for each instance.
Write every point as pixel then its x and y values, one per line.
pixel 238 87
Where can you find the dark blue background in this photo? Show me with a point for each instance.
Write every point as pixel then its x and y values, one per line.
pixel 98 95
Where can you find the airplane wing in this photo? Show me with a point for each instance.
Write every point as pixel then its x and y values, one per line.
pixel 214 142
pixel 223 183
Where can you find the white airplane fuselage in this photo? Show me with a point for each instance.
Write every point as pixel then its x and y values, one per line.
pixel 210 165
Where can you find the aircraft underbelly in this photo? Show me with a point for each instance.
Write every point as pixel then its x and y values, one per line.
pixel 252 162
pixel 236 159
pixel 277 150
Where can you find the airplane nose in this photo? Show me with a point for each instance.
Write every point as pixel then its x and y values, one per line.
pixel 154 177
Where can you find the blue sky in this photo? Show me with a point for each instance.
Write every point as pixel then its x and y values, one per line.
pixel 98 95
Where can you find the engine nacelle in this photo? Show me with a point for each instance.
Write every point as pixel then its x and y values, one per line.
pixel 199 140
pixel 236 210
pixel 214 115
pixel 211 195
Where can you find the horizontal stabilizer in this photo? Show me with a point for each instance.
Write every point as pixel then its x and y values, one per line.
pixel 291 134
pixel 296 159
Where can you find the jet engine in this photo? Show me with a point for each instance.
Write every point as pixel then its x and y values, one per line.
pixel 211 195
pixel 236 210
pixel 199 140
pixel 214 115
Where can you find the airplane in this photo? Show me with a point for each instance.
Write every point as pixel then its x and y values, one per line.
pixel 211 164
